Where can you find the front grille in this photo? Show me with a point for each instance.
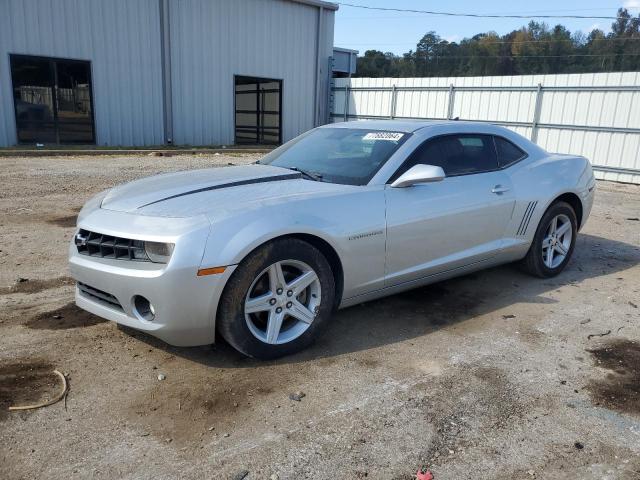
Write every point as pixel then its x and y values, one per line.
pixel 96 244
pixel 99 295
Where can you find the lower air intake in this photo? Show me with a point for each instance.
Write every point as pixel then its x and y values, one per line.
pixel 99 296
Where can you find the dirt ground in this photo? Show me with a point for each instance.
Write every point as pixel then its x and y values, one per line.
pixel 495 375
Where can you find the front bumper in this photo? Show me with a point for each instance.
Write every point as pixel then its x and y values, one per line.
pixel 185 305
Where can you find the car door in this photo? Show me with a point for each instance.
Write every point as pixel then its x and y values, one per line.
pixel 435 227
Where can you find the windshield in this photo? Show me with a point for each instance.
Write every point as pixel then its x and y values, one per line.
pixel 338 155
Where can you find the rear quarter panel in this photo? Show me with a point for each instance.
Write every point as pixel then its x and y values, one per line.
pixel 538 181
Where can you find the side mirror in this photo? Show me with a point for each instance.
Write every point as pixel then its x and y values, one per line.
pixel 419 174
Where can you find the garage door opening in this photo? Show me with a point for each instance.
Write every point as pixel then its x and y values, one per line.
pixel 52 100
pixel 258 110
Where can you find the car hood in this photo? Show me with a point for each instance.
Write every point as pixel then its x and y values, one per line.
pixel 212 191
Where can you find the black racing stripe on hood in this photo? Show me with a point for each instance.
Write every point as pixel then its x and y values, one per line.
pixel 275 178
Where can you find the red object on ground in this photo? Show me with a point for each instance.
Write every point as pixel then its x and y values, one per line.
pixel 423 474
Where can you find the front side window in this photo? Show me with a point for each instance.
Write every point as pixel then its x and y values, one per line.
pixel 508 153
pixel 462 154
pixel 338 155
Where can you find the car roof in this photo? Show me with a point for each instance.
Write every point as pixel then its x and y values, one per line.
pixel 412 126
pixel 405 126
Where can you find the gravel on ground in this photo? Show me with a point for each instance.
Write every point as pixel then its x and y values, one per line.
pixel 495 375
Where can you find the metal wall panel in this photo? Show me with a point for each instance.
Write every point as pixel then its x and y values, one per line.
pixel 344 60
pixel 210 41
pixel 579 117
pixel 213 40
pixel 326 51
pixel 121 38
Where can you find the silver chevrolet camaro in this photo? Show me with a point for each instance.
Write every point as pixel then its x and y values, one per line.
pixel 345 213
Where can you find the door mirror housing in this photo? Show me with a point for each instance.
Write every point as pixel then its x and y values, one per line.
pixel 419 174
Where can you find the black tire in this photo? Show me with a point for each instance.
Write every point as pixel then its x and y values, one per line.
pixel 533 263
pixel 231 321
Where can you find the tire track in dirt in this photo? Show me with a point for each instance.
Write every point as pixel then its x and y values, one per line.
pixel 26 285
pixel 63 318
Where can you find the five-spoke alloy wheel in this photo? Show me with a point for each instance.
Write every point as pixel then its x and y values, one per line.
pixel 283 301
pixel 557 241
pixel 277 299
pixel 553 242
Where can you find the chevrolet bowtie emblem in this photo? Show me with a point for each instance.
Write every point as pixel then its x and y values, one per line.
pixel 80 240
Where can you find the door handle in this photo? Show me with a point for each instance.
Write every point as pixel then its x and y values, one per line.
pixel 499 189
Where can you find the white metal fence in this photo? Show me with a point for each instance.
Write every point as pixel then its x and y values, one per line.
pixel 595 115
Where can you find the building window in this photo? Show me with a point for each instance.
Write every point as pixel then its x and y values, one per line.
pixel 52 100
pixel 258 110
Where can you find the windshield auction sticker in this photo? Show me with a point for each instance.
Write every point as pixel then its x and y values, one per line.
pixel 390 136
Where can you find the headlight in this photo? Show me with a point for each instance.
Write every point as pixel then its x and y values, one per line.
pixel 158 252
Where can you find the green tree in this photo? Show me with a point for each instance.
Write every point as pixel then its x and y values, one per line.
pixel 534 48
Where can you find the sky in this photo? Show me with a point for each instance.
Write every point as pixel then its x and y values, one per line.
pixel 398 32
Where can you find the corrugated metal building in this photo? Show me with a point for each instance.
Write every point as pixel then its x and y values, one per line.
pixel 148 72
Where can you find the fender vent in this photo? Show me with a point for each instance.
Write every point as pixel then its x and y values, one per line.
pixel 524 223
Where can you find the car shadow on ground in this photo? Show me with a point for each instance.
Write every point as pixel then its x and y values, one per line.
pixel 418 312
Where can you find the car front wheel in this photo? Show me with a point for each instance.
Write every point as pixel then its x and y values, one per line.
pixel 277 300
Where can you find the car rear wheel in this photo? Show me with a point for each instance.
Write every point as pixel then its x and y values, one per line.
pixel 553 242
pixel 277 300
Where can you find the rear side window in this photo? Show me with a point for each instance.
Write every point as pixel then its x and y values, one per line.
pixel 508 153
pixel 462 154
